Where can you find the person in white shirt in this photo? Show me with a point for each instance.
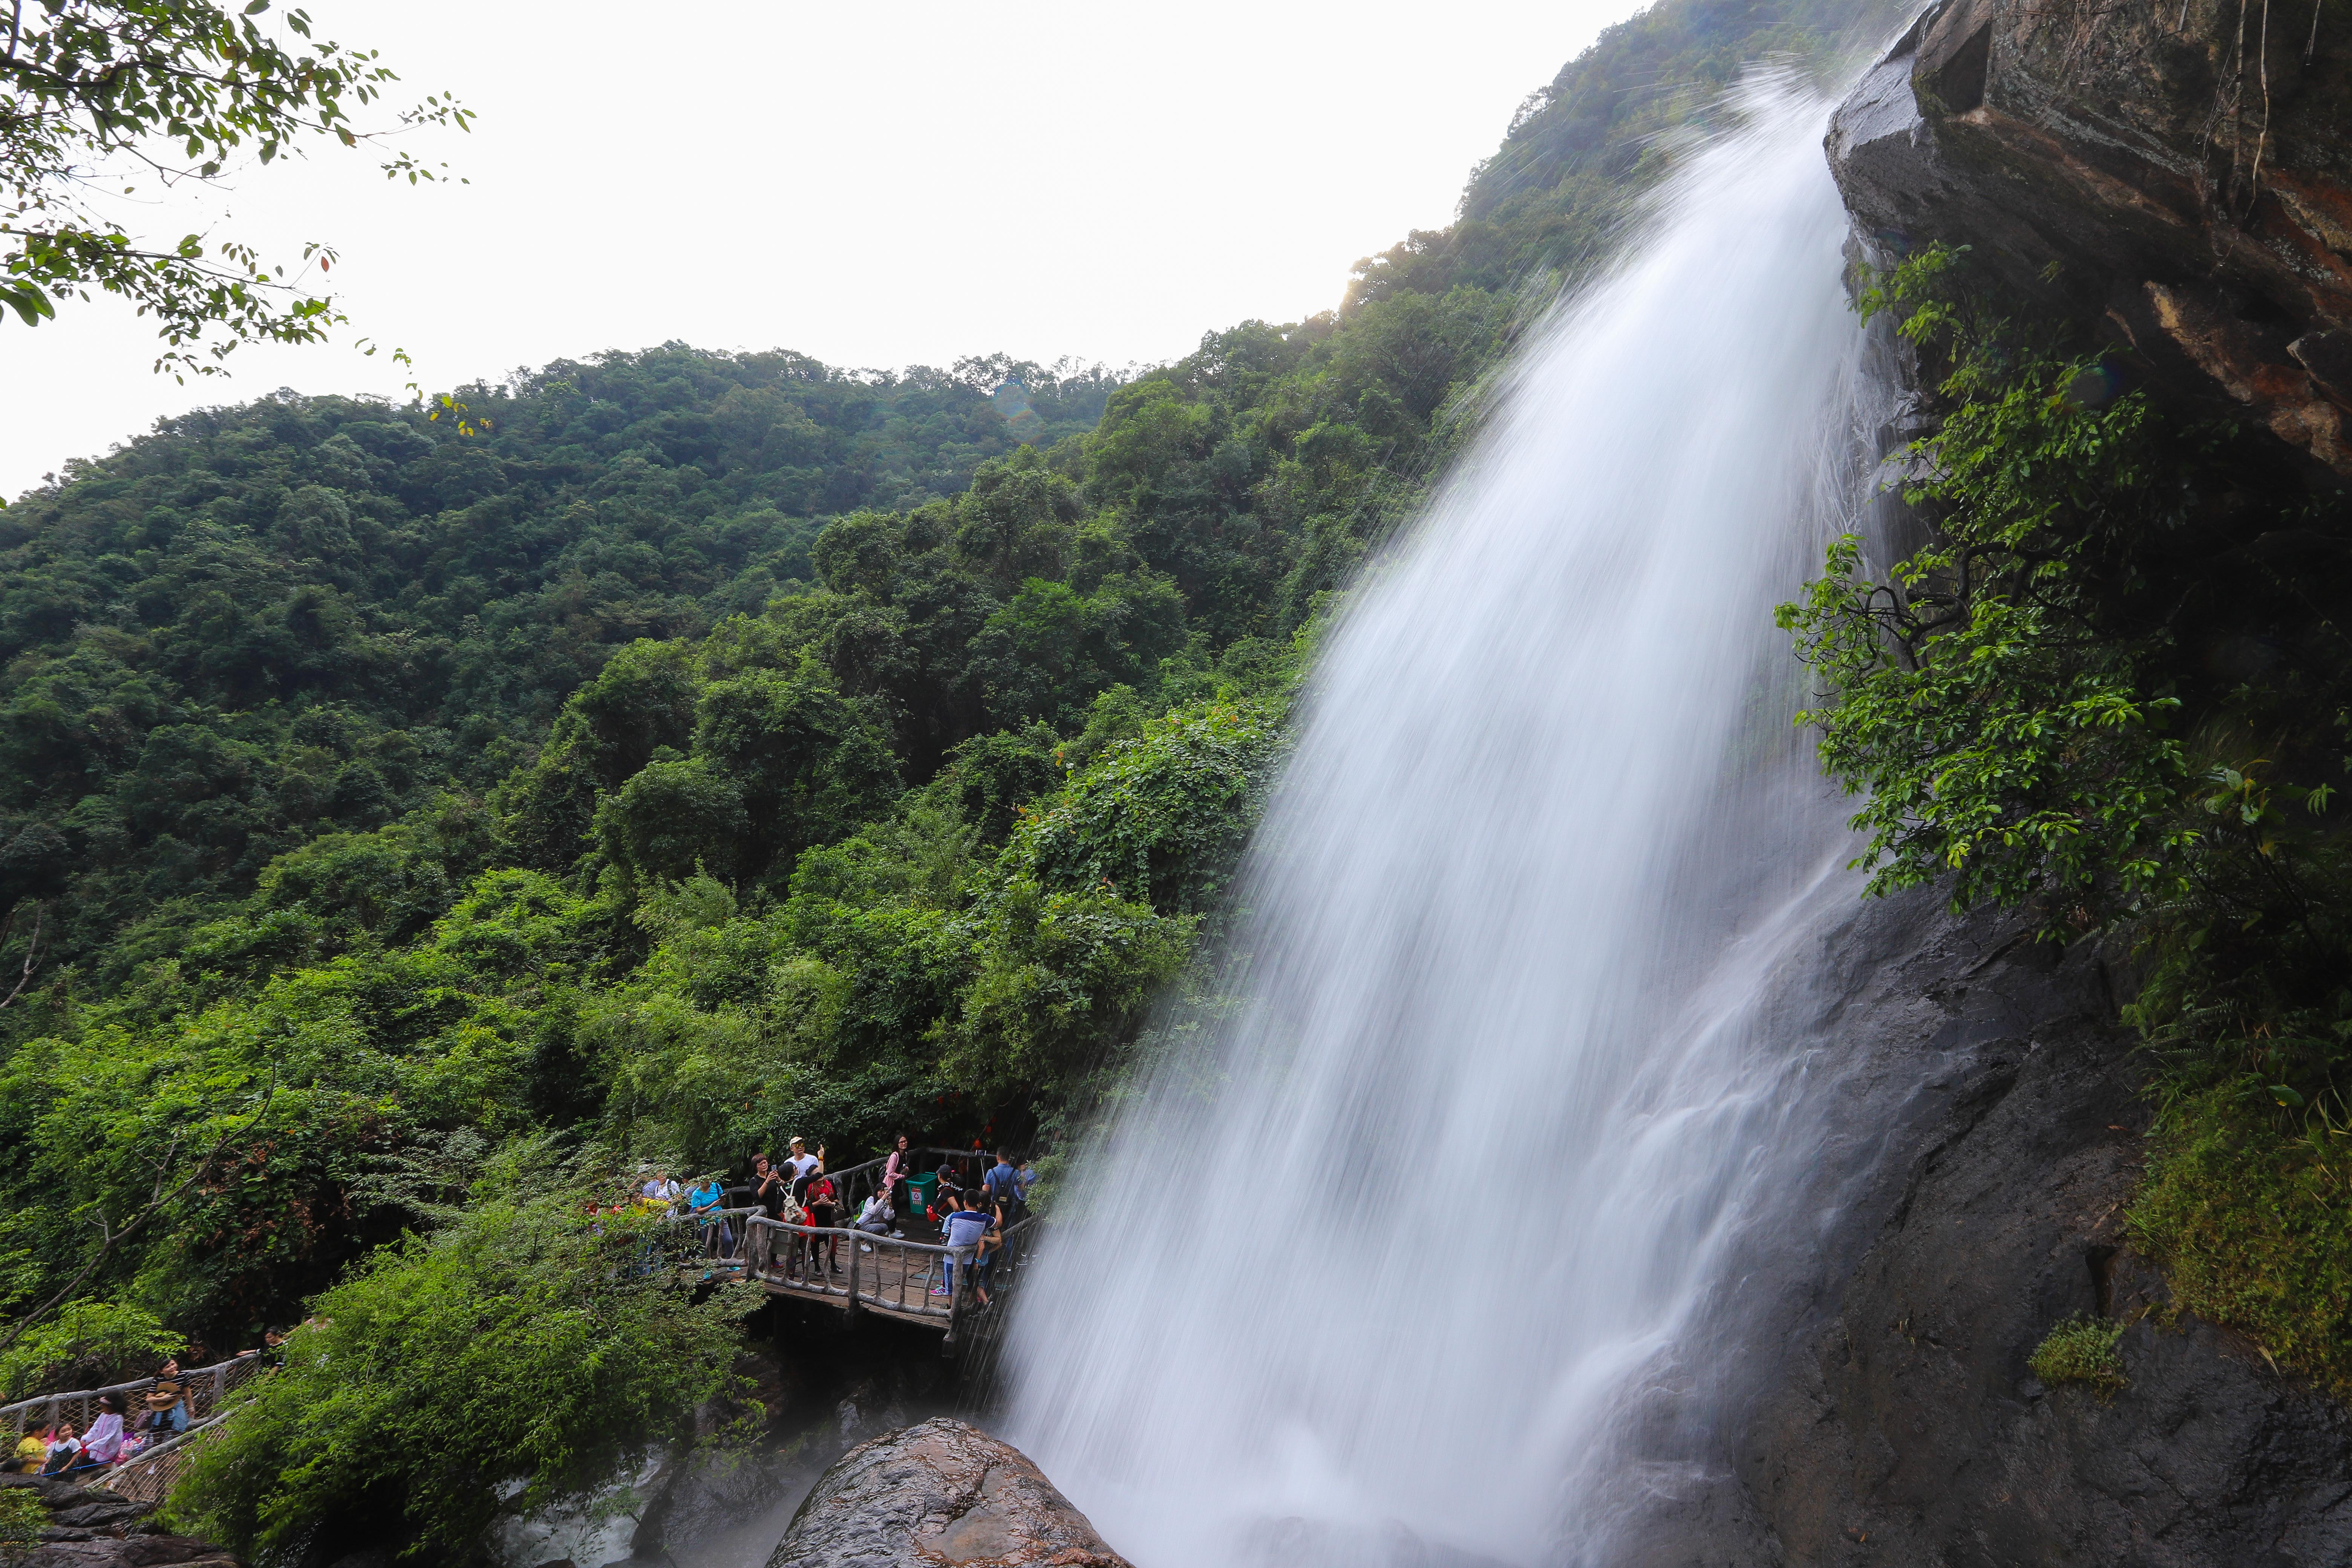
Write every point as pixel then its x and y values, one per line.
pixel 103 1445
pixel 661 1189
pixel 64 1450
pixel 802 1162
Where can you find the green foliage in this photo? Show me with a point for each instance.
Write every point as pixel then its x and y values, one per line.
pixel 313 1115
pixel 903 959
pixel 515 1358
pixel 2250 1216
pixel 23 1519
pixel 261 625
pixel 99 91
pixel 1061 977
pixel 1999 726
pixel 2080 1349
pixel 2103 689
pixel 1163 814
pixel 90 1344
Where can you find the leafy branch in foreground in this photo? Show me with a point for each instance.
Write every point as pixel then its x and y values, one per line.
pixel 98 95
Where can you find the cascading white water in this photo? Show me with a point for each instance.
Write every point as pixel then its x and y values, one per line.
pixel 1432 1252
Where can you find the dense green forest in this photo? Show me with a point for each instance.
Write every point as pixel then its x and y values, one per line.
pixel 416 816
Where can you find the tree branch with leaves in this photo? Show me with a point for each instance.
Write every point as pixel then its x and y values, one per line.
pixel 99 95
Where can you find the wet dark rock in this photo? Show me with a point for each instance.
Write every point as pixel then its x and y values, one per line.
pixel 93 1528
pixel 701 1494
pixel 2184 195
pixel 59 1493
pixel 101 1510
pixel 940 1493
pixel 1904 1425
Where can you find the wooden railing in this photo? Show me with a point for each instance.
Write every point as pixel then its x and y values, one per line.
pixel 716 1247
pixel 204 1385
pixel 854 1184
pixel 887 1274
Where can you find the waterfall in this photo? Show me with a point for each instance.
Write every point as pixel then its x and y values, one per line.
pixel 1444 1243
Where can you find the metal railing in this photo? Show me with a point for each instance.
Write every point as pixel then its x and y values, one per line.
pixel 147 1477
pixel 204 1388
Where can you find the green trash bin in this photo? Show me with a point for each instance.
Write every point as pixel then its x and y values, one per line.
pixel 919 1194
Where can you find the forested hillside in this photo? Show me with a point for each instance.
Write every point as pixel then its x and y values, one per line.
pixel 304 615
pixel 408 818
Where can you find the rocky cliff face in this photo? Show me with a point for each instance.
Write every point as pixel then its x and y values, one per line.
pixel 2175 175
pixel 1905 1426
pixel 2174 178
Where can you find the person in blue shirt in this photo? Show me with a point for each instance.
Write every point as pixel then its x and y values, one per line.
pixel 1003 1192
pixel 717 1237
pixel 999 1182
pixel 961 1228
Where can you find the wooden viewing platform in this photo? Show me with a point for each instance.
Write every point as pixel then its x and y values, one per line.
pixel 857 1272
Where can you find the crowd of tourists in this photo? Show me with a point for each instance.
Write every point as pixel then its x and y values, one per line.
pixel 798 1191
pixel 127 1424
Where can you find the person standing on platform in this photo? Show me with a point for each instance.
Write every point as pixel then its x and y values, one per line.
pixel 895 1172
pixel 964 1227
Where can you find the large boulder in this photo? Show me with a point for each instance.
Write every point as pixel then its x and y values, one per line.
pixel 2172 175
pixel 940 1493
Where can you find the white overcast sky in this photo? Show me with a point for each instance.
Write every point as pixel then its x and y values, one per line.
pixel 876 185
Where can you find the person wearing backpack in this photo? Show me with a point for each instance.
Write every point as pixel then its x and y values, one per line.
pixel 997 1185
pixel 1003 1192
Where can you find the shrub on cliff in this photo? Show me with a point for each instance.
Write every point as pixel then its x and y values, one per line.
pixel 2250 1219
pixel 514 1360
pixel 2082 1350
pixel 2112 687
pixel 1983 694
